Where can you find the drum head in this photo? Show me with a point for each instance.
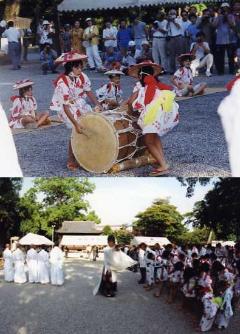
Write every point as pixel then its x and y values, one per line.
pixel 97 150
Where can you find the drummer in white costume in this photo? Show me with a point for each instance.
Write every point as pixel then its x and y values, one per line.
pixel 8 264
pixel 114 261
pixel 43 267
pixel 32 262
pixel 69 99
pixel 19 262
pixel 56 263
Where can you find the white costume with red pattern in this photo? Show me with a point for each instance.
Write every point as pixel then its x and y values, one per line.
pixel 22 106
pixel 109 91
pixel 71 90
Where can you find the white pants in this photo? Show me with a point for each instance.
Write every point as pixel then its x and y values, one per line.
pixel 206 61
pixel 94 59
pixel 159 52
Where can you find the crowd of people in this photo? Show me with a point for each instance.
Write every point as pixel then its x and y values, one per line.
pixel 37 264
pixel 205 279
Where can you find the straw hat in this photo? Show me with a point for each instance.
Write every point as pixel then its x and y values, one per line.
pixel 114 72
pixel 69 57
pixel 133 70
pixel 23 83
pixel 186 56
pixel 46 23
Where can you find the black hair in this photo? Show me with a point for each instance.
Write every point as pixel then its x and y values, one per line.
pixel 165 254
pixel 178 266
pixel 188 274
pixel 200 34
pixel 146 69
pixel 69 66
pixel 205 267
pixel 23 90
pixel 111 238
pixel 10 24
pixel 192 15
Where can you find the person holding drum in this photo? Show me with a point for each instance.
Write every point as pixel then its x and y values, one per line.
pixel 157 108
pixel 110 94
pixel 69 98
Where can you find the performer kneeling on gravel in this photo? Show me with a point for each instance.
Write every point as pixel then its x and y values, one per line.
pixel 114 261
pixel 69 99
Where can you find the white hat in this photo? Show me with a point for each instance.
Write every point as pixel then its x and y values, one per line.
pixel 70 57
pixel 3 24
pixel 45 22
pixel 225 4
pixel 131 43
pixel 22 84
pixel 145 42
pixel 114 72
pixel 88 19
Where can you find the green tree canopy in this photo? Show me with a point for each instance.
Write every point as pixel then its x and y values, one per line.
pixel 9 208
pixel 53 200
pixel 107 230
pixel 123 236
pixel 220 209
pixel 160 219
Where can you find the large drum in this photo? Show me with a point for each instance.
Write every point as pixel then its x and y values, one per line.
pixel 108 138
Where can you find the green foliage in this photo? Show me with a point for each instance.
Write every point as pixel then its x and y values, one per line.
pixel 160 219
pixel 107 230
pixel 220 209
pixel 197 236
pixel 191 182
pixel 51 201
pixel 9 208
pixel 123 236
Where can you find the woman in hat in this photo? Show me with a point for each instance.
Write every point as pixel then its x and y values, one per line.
pixel 23 112
pixel 69 98
pixel 183 78
pixel 110 94
pixel 157 108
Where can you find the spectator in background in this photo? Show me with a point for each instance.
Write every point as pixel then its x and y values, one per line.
pixel 146 52
pixel 226 39
pixel 46 34
pixel 27 36
pixel 203 58
pixel 206 26
pixel 132 55
pixel 159 33
pixel 111 56
pixel 91 41
pixel 124 36
pixel 47 57
pixel 66 39
pixel 185 25
pixel 174 39
pixel 77 38
pixel 14 45
pixel 110 36
pixel 192 29
pixel 140 32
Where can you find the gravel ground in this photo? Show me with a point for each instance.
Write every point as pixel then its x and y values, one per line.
pixel 31 309
pixel 195 148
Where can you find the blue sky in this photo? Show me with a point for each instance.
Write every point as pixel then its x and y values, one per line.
pixel 118 200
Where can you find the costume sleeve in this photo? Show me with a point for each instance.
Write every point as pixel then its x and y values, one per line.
pixel 16 108
pixel 63 93
pixel 101 93
pixel 87 84
pixel 35 106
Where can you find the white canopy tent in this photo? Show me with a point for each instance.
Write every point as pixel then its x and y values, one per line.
pixel 82 5
pixel 150 241
pixel 35 239
pixel 83 240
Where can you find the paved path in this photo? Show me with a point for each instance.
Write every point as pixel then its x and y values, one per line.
pixel 195 148
pixel 72 309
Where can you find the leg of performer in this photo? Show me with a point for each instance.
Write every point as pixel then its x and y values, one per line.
pixel 72 163
pixel 154 146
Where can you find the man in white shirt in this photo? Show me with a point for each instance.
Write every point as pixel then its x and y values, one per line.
pixel 32 257
pixel 14 45
pixel 159 33
pixel 45 34
pixel 185 24
pixel 174 39
pixel 110 36
pixel 142 262
pixel 203 58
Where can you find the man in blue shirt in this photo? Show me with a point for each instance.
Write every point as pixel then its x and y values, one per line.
pixel 192 29
pixel 124 36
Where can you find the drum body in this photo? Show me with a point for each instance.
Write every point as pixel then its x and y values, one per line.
pixel 108 138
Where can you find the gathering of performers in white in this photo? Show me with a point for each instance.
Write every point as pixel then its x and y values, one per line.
pixel 37 265
pixel 205 279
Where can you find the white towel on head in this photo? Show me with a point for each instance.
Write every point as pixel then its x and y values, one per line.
pixel 229 111
pixel 9 166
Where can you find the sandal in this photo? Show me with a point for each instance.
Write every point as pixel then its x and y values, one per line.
pixel 72 166
pixel 157 172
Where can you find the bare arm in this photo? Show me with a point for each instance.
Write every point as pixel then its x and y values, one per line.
pixel 93 99
pixel 71 118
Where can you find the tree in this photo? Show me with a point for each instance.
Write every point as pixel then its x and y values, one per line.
pixel 52 200
pixel 191 182
pixel 123 236
pixel 197 236
pixel 220 209
pixel 9 208
pixel 160 219
pixel 107 230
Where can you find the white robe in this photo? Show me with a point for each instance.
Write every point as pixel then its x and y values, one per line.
pixel 43 267
pixel 226 311
pixel 32 262
pixel 8 265
pixel 114 261
pixel 56 261
pixel 229 111
pixel 9 166
pixel 210 311
pixel 19 260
